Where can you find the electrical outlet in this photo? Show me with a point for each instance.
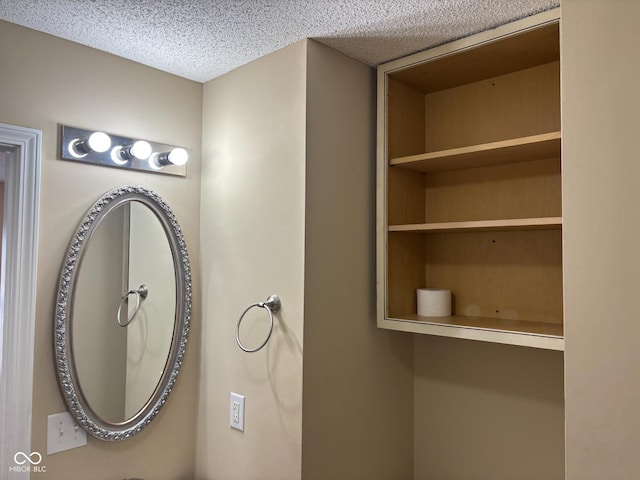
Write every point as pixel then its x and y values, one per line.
pixel 63 433
pixel 236 412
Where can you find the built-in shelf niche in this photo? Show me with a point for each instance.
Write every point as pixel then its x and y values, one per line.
pixel 471 167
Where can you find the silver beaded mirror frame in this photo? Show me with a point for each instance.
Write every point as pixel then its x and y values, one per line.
pixel 64 355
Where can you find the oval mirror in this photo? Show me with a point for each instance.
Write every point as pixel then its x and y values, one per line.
pixel 123 313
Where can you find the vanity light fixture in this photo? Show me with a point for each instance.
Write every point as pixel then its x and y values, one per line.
pixel 117 151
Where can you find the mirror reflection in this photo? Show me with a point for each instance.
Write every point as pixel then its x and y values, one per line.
pixel 119 368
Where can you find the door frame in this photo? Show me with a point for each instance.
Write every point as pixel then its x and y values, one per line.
pixel 18 288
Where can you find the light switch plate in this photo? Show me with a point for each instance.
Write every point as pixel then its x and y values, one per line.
pixel 63 433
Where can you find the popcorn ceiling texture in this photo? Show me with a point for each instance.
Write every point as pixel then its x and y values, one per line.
pixel 202 39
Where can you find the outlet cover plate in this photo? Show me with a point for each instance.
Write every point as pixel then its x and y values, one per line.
pixel 236 411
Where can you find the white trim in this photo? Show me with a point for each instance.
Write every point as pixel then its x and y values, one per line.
pixel 18 290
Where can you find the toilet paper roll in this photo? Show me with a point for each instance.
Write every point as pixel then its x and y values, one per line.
pixel 434 302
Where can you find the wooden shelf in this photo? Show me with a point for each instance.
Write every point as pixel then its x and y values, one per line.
pixel 510 54
pixel 544 223
pixel 546 145
pixel 512 332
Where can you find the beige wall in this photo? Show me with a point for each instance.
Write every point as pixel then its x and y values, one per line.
pixel 288 208
pixel 150 333
pixel 358 381
pixel 485 410
pixel 98 341
pixel 46 81
pixel 600 78
pixel 252 226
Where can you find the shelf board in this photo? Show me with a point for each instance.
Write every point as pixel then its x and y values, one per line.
pixel 535 147
pixel 542 223
pixel 494 58
pixel 511 332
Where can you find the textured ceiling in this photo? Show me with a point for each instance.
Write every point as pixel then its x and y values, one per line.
pixel 202 39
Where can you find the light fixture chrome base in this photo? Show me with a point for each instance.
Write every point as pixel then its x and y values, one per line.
pixel 69 136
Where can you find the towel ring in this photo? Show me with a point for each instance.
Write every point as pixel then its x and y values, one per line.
pixel 141 293
pixel 272 305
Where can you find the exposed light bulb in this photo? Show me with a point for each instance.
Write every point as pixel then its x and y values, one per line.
pixel 122 155
pixel 141 150
pixel 99 142
pixel 177 156
pixel 96 142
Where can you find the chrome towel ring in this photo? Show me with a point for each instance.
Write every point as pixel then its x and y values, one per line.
pixel 271 305
pixel 141 293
